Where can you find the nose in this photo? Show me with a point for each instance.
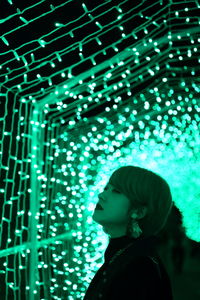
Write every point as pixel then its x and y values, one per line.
pixel 101 198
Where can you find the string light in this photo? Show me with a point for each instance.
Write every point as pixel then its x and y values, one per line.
pixel 57 152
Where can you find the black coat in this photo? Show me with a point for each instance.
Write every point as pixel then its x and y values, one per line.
pixel 136 274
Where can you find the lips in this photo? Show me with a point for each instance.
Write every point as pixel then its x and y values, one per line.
pixel 99 207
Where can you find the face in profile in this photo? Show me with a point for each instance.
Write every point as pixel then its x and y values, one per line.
pixel 115 210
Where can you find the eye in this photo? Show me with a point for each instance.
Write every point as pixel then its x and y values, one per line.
pixel 116 191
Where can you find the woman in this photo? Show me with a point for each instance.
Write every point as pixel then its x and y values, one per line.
pixel 135 206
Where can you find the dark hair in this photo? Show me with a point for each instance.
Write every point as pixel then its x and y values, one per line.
pixel 145 188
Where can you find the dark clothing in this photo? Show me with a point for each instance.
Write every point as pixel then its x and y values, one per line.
pixel 133 275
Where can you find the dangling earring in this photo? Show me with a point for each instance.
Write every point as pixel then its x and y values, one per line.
pixel 135 228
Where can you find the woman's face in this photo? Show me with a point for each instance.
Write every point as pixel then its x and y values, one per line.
pixel 115 213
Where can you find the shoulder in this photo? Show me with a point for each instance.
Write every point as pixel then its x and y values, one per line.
pixel 146 261
pixel 143 265
pixel 140 278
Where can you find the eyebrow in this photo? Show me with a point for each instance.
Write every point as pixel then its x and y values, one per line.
pixel 110 185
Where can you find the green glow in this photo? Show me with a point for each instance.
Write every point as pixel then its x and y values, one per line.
pixel 56 161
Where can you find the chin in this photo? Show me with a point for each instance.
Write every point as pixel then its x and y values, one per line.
pixel 94 215
pixel 95 218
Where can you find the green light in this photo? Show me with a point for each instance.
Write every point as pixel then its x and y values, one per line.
pixel 57 153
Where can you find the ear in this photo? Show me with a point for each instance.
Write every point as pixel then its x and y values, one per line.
pixel 139 213
pixel 142 212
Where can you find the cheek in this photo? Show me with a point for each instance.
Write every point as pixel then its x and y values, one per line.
pixel 119 212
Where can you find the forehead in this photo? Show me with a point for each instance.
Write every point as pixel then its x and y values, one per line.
pixel 109 185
